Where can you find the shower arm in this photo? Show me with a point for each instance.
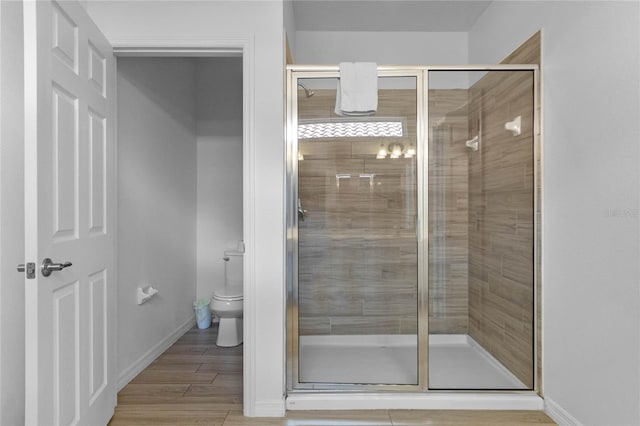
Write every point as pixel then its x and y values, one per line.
pixel 308 93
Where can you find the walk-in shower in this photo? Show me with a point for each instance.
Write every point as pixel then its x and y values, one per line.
pixel 412 235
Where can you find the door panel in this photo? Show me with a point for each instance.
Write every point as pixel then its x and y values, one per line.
pixel 65 161
pixel 66 347
pixel 98 334
pixel 97 70
pixel 97 173
pixel 69 195
pixel 64 38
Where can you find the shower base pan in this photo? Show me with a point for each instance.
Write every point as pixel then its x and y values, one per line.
pixel 455 362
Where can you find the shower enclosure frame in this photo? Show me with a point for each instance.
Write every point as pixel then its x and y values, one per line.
pixel 421 73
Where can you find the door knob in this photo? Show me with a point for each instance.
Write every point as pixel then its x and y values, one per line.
pixel 21 267
pixel 48 266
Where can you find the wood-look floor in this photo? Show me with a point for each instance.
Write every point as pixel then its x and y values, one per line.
pixel 195 382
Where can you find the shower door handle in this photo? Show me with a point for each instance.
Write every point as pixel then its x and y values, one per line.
pixel 301 212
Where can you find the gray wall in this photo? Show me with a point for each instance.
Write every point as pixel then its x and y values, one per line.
pixel 156 201
pixel 591 105
pixel 289 25
pixel 11 214
pixel 384 47
pixel 388 48
pixel 219 133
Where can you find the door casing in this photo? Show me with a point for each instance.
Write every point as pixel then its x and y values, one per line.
pixel 223 47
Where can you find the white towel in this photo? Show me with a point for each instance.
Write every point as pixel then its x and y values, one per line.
pixel 357 89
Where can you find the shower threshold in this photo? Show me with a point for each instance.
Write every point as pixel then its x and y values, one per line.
pixel 455 362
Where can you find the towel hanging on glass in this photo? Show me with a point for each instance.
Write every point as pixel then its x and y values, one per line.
pixel 357 92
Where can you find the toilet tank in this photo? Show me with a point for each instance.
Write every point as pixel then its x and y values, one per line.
pixel 233 267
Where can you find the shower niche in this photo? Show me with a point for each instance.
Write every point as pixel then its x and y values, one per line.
pixel 411 234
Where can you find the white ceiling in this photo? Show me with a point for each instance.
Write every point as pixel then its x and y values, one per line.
pixel 387 15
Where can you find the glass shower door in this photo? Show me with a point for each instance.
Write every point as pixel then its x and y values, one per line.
pixel 356 284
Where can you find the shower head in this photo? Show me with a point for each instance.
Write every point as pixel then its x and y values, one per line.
pixel 308 93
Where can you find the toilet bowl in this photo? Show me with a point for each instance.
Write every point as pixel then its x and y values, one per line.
pixel 227 301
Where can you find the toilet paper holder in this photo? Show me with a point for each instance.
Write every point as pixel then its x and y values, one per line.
pixel 146 293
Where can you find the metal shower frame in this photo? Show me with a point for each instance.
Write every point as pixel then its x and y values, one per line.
pixel 421 73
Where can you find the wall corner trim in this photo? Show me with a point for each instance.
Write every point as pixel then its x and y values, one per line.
pixel 559 414
pixel 148 357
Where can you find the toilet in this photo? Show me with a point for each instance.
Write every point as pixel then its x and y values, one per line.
pixel 227 300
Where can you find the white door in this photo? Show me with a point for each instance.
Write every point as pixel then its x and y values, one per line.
pixel 69 203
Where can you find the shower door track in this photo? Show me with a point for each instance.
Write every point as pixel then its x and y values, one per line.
pixel 300 394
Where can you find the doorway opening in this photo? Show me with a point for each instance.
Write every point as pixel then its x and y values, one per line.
pixel 181 178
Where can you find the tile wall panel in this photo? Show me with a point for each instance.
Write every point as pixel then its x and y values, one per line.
pixel 501 239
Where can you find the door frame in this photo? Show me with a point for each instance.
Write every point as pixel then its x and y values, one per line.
pixel 222 47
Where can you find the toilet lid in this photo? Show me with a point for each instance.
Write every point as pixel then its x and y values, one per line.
pixel 228 292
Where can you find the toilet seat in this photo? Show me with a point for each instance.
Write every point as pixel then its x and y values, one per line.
pixel 229 293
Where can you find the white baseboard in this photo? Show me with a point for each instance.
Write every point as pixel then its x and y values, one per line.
pixel 559 414
pixel 414 401
pixel 269 408
pixel 148 357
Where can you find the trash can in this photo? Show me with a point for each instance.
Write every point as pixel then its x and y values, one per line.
pixel 203 314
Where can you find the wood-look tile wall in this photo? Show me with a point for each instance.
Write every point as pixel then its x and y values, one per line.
pixel 501 238
pixel 357 247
